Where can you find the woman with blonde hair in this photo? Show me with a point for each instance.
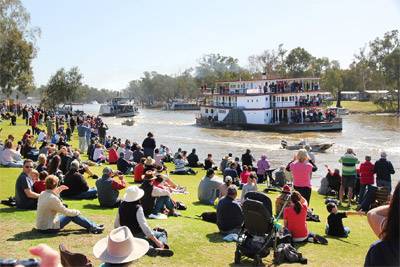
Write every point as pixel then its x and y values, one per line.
pixel 301 169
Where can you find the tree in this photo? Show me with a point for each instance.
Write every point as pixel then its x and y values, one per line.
pixel 391 66
pixel 298 62
pixel 62 87
pixel 271 62
pixel 17 48
pixel 332 81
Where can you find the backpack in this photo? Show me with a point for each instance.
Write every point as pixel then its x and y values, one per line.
pixel 288 253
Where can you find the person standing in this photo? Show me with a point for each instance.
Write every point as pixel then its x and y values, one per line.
pixel 366 171
pixel 149 144
pixel 383 169
pixel 247 158
pixel 349 174
pixel 301 169
pixel 82 137
pixel 103 132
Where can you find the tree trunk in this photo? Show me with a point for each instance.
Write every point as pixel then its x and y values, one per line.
pixel 339 99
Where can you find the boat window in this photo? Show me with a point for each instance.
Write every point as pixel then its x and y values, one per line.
pixel 206 110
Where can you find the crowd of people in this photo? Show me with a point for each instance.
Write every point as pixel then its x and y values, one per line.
pixel 56 171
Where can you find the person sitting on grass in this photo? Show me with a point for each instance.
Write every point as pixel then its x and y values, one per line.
pixel 130 214
pixel 244 176
pixel 98 154
pixel 138 171
pixel 384 221
pixel 229 213
pixel 113 154
pixel 209 163
pixel 250 186
pixel 208 190
pixel 124 165
pixel 49 205
pixel 180 166
pixel 162 192
pixel 108 188
pixel 40 185
pixel 25 197
pixel 193 160
pixel 10 157
pixel 78 187
pixel 334 179
pixel 280 177
pixel 231 171
pixel 42 160
pixel 335 225
pixel 294 218
pixel 223 188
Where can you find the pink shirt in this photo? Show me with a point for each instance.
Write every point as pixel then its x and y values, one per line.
pixel 301 172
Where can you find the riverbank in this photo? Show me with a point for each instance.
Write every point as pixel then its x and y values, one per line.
pixel 195 242
pixel 364 107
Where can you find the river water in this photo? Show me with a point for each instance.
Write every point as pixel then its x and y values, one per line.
pixel 366 134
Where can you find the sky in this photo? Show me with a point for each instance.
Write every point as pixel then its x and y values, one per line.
pixel 114 42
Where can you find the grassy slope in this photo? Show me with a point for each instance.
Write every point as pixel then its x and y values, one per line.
pixel 195 242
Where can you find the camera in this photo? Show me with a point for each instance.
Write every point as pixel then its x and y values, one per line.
pixel 24 262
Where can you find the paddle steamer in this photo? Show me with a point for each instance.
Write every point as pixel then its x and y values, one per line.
pixel 287 105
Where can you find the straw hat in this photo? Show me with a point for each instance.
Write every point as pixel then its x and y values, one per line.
pixel 133 193
pixel 149 161
pixel 120 247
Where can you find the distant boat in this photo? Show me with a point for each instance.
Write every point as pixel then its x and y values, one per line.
pixel 119 107
pixel 182 105
pixel 339 111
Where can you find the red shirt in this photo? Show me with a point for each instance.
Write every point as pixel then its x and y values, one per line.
pixel 244 177
pixel 366 171
pixel 39 186
pixel 138 172
pixel 112 156
pixel 296 223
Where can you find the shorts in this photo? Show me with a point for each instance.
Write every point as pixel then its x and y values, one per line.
pixel 349 181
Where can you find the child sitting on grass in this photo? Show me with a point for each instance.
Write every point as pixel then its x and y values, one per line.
pixel 39 185
pixel 335 225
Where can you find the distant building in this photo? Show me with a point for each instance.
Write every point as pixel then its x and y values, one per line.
pixel 366 95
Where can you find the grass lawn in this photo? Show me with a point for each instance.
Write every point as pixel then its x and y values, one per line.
pixel 195 242
pixel 361 106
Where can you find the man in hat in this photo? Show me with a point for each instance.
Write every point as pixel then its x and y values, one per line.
pixel 349 174
pixel 229 213
pixel 208 190
pixel 108 188
pixel 137 224
pixel 383 170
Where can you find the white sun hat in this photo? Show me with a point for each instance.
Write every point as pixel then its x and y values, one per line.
pixel 120 247
pixel 133 193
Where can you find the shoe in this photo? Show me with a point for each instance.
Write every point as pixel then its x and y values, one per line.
pixel 95 177
pixel 97 230
pixel 158 216
pixel 162 252
pixel 320 240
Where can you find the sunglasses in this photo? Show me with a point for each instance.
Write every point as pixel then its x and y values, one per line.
pixel 28 167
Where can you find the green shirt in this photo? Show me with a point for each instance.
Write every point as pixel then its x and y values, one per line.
pixel 349 162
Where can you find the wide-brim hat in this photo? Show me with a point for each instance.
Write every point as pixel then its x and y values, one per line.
pixel 133 193
pixel 120 247
pixel 149 161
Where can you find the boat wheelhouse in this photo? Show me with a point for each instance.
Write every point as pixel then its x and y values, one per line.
pixel 273 105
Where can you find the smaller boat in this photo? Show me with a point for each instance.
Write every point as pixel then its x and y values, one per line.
pixel 128 122
pixel 315 147
pixel 339 111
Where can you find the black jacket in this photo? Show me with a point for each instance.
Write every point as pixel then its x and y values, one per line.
pixel 383 169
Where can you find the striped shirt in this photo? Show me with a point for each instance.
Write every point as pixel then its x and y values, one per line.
pixel 349 162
